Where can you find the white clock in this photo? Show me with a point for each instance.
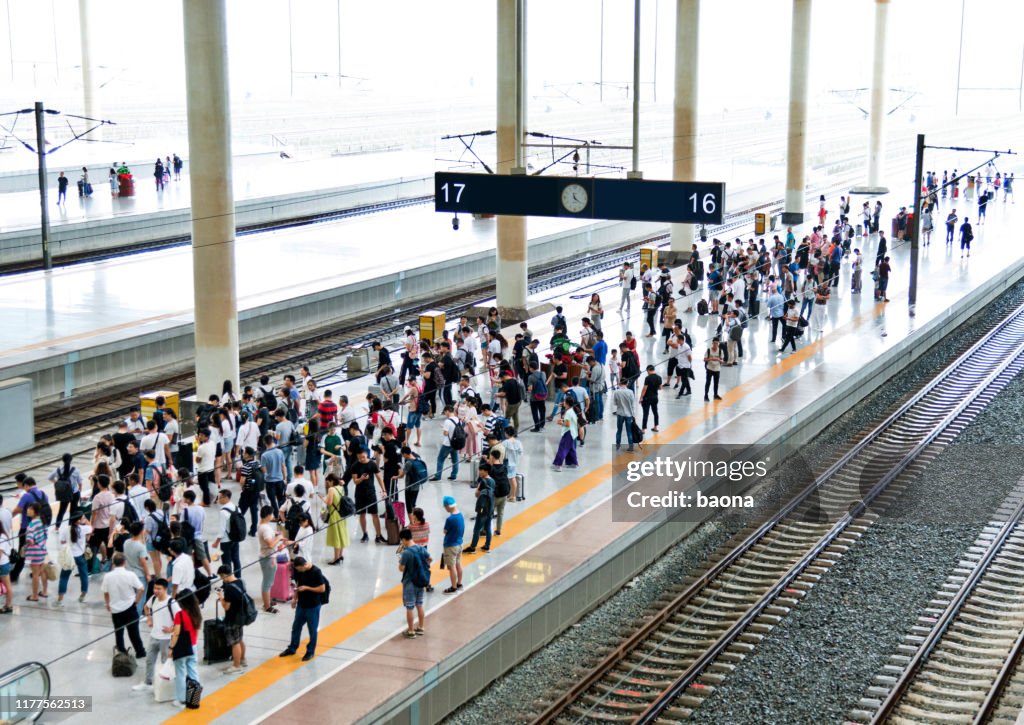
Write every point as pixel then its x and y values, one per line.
pixel 575 198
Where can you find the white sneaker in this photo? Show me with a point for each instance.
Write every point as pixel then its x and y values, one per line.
pixel 142 687
pixel 231 670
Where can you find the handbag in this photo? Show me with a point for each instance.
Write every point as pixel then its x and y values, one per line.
pixel 65 558
pixel 51 571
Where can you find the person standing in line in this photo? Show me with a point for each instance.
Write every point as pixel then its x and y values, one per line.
pixel 821 298
pixel 74 534
pixel 62 188
pixel 856 271
pixel 649 396
pixel 684 361
pixel 122 592
pixel 273 464
pixel 178 163
pixel 712 368
pixel 159 610
pixel 484 508
pixel 67 472
pixel 623 406
pixel 454 532
pixel 883 247
pixel 232 598
pixel 776 311
pixel 414 564
pixel 228 547
pixel 566 453
pixel 271 541
pixel 206 460
pixel 876 216
pixel 883 278
pixel 310 586
pixel 966 235
pixel 791 320
pixel 982 205
pixel 184 636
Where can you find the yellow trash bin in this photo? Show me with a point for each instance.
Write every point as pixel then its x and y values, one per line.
pixel 432 325
pixel 147 403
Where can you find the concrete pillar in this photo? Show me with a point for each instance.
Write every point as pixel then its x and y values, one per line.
pixel 512 265
pixel 684 116
pixel 876 140
pixel 796 145
pixel 213 204
pixel 90 92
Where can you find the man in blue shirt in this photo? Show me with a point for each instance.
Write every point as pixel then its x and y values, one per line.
pixel 454 530
pixel 776 310
pixel 273 464
pixel 600 349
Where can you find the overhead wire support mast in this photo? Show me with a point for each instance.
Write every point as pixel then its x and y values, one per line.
pixel 41 153
pixel 918 198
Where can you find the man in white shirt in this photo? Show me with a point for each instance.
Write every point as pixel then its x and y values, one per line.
pixel 122 591
pixel 626 277
pixel 137 495
pixel 172 430
pixel 450 421
pixel 345 414
pixel 136 425
pixel 157 442
pixel 410 357
pixel 183 575
pixel 160 610
pixel 206 458
pixel 228 548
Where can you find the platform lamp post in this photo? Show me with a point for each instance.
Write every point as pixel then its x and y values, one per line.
pixel 41 153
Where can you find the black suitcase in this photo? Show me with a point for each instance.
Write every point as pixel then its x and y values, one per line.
pixel 215 640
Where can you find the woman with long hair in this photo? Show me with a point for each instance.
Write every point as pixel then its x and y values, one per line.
pixel 595 311
pixel 187 622
pixel 74 534
pixel 337 526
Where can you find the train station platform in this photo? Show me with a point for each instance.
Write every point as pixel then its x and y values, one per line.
pixel 267 189
pixel 560 551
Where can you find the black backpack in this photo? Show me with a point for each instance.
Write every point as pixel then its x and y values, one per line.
pixel 162 537
pixel 457 440
pixel 346 507
pixel 485 501
pixel 45 512
pixel 188 531
pixel 237 530
pixel 255 482
pixel 130 514
pixel 632 282
pixel 246 616
pixel 62 488
pixel 325 596
pixel 294 516
pixel 420 474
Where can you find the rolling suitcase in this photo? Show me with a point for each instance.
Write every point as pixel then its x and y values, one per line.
pixel 215 640
pixel 521 492
pixel 282 590
pixel 391 528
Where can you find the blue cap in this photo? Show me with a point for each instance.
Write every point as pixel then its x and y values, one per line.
pixel 448 501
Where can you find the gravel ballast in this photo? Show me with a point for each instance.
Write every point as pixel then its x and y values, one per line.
pixel 819 660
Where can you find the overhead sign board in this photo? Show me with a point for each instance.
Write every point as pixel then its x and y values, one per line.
pixel 684 202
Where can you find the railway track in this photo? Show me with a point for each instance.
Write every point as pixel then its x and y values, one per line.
pixel 960 663
pixel 668 667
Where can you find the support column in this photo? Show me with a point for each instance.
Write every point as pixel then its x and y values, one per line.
pixel 684 117
pixel 512 264
pixel 213 204
pixel 876 140
pixel 796 145
pixel 90 93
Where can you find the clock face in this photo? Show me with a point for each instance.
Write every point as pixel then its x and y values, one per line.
pixel 574 198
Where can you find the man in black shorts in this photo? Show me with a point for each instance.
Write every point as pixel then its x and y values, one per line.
pixel 367 478
pixel 232 601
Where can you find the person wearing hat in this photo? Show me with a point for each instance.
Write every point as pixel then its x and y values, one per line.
pixel 454 531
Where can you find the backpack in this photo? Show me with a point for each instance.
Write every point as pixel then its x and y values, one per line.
pixel 632 282
pixel 62 488
pixel 325 596
pixel 702 307
pixel 249 614
pixel 270 400
pixel 188 531
pixel 470 360
pixel 255 482
pixel 163 491
pixel 202 586
pixel 559 321
pixel 45 512
pixel 162 537
pixel 346 507
pixel 295 440
pixel 130 514
pixel 457 440
pixel 485 501
pixel 540 387
pixel 293 517
pixel 735 333
pixel 419 474
pixel 500 424
pixel 420 574
pixel 237 529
